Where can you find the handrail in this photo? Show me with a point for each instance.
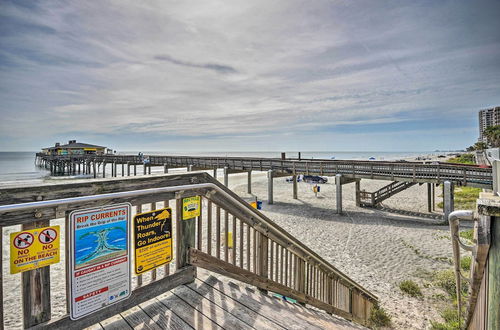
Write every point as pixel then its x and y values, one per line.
pixel 296 244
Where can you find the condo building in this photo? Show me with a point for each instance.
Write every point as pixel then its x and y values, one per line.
pixel 487 118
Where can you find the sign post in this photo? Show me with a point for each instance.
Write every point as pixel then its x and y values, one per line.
pixel 187 210
pixel 99 258
pixel 152 239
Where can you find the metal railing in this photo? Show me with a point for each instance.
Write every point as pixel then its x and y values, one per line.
pixel 479 251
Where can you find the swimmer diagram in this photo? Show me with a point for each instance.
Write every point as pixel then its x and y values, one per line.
pixel 103 247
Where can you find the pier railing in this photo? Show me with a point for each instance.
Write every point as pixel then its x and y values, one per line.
pixel 229 237
pixel 462 175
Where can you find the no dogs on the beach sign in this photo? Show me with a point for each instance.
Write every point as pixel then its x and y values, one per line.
pixel 35 248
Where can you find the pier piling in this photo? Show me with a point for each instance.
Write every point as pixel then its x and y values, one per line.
pixel 249 185
pixel 226 176
pixel 449 204
pixel 338 184
pixel 270 187
pixel 294 179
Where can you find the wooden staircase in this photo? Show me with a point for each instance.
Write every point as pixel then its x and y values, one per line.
pixel 372 199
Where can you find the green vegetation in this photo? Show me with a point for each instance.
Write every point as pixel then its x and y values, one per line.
pixel 463 159
pixel 492 134
pixel 450 317
pixel 425 256
pixel 465 263
pixel 411 288
pixel 465 198
pixel 467 234
pixel 445 279
pixel 379 318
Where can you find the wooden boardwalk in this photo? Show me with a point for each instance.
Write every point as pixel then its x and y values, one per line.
pixel 213 301
pixel 462 175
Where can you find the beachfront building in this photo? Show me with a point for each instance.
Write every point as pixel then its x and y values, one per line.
pixel 487 118
pixel 75 148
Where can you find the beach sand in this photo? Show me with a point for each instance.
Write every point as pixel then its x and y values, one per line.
pixel 375 248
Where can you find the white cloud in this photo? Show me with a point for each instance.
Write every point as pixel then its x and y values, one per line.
pixel 195 68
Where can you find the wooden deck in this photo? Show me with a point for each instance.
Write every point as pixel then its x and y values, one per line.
pixel 213 301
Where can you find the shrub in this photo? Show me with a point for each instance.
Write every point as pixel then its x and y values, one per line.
pixel 450 317
pixel 445 279
pixel 467 234
pixel 379 317
pixel 411 288
pixel 465 263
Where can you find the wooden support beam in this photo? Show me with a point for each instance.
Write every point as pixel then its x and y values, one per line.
pixel 429 197
pixel 294 179
pixel 249 183
pixel 270 176
pixel 338 184
pixel 226 176
pixel 449 204
pixel 357 192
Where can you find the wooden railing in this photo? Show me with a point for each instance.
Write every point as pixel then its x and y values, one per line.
pixel 229 237
pixel 462 175
pixel 374 198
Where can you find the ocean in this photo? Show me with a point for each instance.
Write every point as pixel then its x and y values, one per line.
pixel 18 168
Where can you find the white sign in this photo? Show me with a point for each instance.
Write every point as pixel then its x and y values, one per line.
pixel 99 258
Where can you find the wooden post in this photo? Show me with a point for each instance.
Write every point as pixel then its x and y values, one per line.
pixel 226 176
pixel 144 169
pixel 135 169
pixel 128 169
pixel 270 187
pixel 1 283
pixel 294 179
pixel 249 185
pixel 338 184
pixel 165 168
pixel 104 169
pixel 215 173
pixel 262 255
pixel 94 169
pixel 433 186
pixel 429 197
pixel 115 169
pixel 357 196
pixel 185 235
pixel 494 276
pixel 36 289
pixel 123 169
pixel 448 199
pixel 149 168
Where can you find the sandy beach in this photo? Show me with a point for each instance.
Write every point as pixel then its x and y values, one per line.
pixel 373 247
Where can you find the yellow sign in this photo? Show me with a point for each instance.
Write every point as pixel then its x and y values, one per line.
pixel 191 207
pixel 153 239
pixel 35 248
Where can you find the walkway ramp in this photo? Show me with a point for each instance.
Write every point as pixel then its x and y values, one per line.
pixel 372 199
pixel 217 302
pixel 226 236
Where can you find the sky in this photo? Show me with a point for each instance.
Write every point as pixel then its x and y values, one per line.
pixel 279 75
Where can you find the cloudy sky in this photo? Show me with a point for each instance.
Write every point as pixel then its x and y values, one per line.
pixel 247 75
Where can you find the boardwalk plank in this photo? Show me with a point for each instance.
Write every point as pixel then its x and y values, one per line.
pixel 115 322
pixel 210 310
pixel 138 319
pixel 164 317
pixel 190 315
pixel 232 306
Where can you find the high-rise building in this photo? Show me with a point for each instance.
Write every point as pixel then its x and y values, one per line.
pixel 487 118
